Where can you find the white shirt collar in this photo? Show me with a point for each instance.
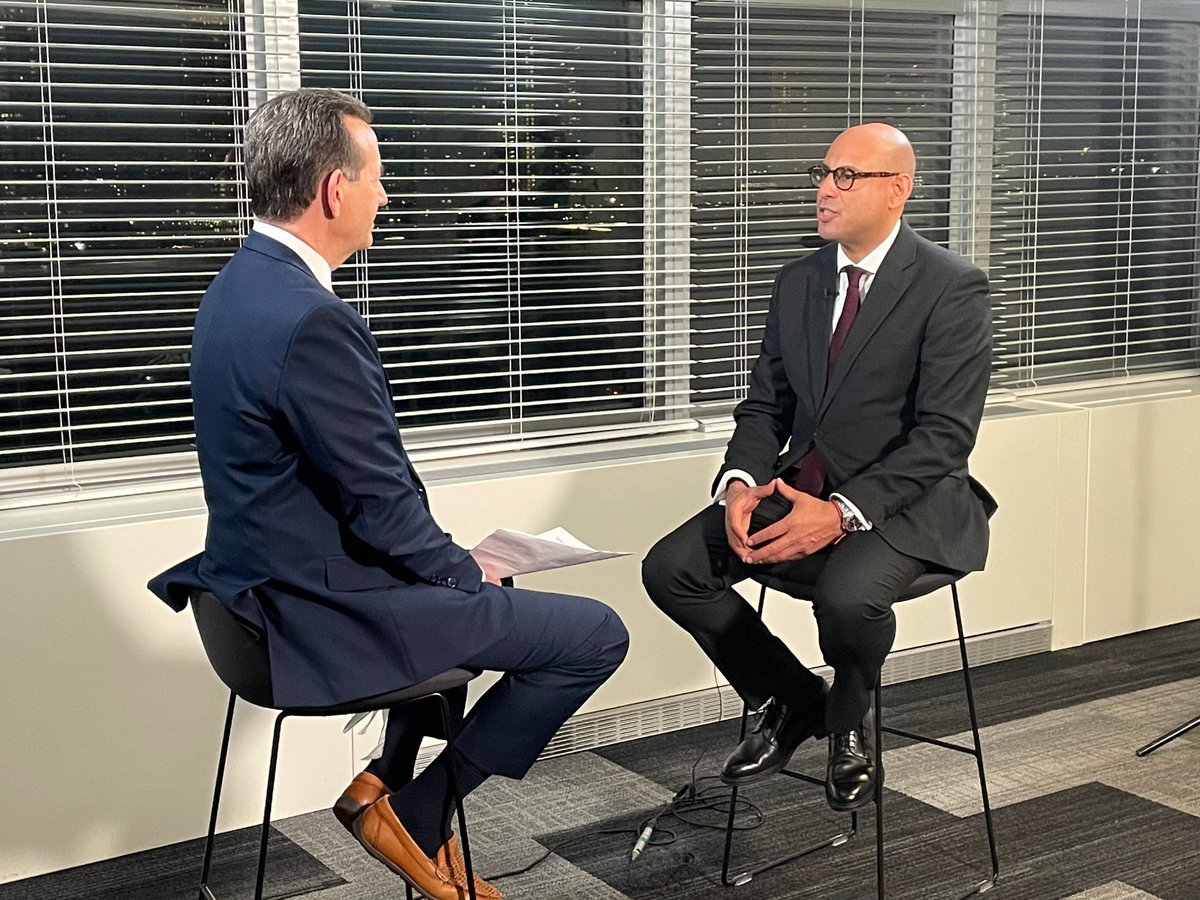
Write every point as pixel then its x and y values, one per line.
pixel 315 261
pixel 873 260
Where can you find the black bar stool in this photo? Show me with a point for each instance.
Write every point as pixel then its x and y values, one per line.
pixel 238 654
pixel 924 584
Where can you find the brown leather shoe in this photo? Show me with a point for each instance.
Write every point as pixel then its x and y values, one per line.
pixel 364 790
pixel 450 858
pixel 382 835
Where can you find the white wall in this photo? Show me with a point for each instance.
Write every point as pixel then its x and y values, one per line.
pixel 112 715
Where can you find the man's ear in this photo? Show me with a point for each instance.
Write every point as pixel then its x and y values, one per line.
pixel 331 193
pixel 902 188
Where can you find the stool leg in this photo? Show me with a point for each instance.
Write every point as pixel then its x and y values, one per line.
pixel 205 893
pixel 733 791
pixel 458 800
pixel 1169 736
pixel 266 824
pixel 836 841
pixel 978 754
pixel 733 794
pixel 877 726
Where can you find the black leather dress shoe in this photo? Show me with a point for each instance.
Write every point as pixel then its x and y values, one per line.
pixel 781 728
pixel 851 775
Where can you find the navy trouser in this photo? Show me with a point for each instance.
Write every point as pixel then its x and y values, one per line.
pixel 689 575
pixel 556 652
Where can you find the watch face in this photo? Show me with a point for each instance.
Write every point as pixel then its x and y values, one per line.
pixel 849 520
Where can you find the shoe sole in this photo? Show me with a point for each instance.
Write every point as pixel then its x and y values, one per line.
pixel 850 807
pixel 857 804
pixel 356 830
pixel 347 811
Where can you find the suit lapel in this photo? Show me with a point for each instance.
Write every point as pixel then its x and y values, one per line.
pixel 818 324
pixel 888 286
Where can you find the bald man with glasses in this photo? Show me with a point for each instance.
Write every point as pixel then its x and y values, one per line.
pixel 847 469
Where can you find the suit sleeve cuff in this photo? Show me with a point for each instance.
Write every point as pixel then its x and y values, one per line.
pixel 723 484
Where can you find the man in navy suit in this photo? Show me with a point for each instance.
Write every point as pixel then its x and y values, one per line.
pixel 847 469
pixel 319 530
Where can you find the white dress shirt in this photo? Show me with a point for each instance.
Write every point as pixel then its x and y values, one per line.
pixel 315 261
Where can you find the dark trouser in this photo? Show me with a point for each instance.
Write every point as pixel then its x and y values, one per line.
pixel 558 650
pixel 689 575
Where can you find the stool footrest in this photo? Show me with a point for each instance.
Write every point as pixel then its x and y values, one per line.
pixel 801 776
pixel 744 877
pixel 928 740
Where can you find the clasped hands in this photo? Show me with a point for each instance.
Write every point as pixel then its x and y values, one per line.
pixel 809 526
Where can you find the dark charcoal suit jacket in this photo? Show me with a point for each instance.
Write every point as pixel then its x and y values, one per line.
pixel 897 417
pixel 319 531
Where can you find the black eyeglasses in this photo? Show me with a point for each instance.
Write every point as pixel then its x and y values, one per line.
pixel 843 176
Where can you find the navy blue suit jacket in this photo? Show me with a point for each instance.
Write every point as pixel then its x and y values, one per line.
pixel 898 416
pixel 319 531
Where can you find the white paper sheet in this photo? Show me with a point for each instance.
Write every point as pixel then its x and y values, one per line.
pixel 505 553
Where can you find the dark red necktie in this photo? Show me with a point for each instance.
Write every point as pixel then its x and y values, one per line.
pixel 849 313
pixel 809 474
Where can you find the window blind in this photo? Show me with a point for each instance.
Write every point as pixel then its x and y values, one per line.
pixel 1095 267
pixel 117 119
pixel 507 284
pixel 774 84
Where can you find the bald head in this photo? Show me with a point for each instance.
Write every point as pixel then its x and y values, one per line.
pixel 862 215
pixel 889 144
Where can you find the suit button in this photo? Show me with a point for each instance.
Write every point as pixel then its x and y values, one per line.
pixel 451 582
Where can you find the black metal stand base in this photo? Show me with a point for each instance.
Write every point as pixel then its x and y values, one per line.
pixel 1168 737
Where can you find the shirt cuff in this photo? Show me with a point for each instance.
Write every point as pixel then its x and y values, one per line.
pixel 723 484
pixel 854 511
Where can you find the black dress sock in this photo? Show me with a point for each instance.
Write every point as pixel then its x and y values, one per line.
pixel 406 729
pixel 425 805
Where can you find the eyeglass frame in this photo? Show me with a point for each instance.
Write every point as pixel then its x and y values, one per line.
pixel 818 173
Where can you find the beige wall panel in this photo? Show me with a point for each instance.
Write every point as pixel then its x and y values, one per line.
pixel 1143 568
pixel 112 714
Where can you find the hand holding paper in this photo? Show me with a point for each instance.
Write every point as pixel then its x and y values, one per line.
pixel 505 553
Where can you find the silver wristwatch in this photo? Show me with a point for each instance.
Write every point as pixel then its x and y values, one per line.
pixel 850 522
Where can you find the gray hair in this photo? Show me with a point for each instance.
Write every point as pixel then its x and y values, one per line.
pixel 294 139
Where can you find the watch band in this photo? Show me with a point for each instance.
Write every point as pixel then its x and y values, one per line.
pixel 850 522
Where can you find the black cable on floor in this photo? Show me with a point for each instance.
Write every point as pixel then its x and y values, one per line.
pixel 699 796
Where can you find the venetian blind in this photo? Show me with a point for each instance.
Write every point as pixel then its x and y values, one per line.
pixel 509 285
pixel 1094 243
pixel 117 120
pixel 524 284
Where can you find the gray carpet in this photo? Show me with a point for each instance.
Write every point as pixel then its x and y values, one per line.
pixel 173 872
pixel 1078 816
